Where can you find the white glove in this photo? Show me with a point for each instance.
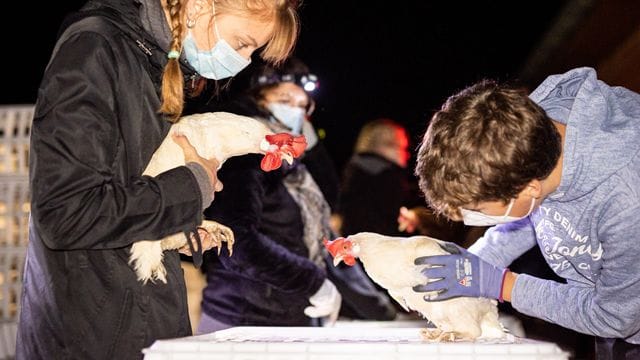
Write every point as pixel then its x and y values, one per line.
pixel 309 133
pixel 325 303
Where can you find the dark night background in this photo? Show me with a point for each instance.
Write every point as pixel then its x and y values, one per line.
pixel 402 59
pixel 397 59
pixel 374 58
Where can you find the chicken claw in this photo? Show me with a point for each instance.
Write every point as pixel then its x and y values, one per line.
pixel 219 233
pixel 437 335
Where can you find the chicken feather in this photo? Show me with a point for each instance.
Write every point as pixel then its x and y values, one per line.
pixel 389 261
pixel 219 135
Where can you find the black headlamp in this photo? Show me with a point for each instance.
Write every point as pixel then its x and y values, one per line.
pixel 309 82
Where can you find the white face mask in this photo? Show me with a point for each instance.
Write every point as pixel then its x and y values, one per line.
pixel 476 218
pixel 290 116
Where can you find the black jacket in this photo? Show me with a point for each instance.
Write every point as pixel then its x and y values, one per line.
pixel 95 128
pixel 269 278
pixel 371 193
pixel 248 290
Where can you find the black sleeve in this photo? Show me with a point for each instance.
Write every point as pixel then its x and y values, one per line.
pixel 78 197
pixel 323 170
pixel 257 255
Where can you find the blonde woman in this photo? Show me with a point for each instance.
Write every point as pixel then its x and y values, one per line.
pixel 115 82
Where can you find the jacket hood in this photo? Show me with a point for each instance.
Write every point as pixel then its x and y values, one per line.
pixel 602 128
pixel 123 10
pixel 126 14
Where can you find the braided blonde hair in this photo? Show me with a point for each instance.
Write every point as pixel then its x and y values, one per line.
pixel 279 47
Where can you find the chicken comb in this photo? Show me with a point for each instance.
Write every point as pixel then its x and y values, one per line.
pixel 282 145
pixel 295 145
pixel 333 246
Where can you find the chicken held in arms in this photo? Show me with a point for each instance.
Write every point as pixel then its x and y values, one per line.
pixel 219 135
pixel 389 261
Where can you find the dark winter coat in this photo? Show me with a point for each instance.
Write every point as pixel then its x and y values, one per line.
pixel 371 193
pixel 280 223
pixel 95 128
pixel 269 278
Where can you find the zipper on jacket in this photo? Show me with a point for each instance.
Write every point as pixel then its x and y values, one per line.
pixel 144 48
pixel 192 77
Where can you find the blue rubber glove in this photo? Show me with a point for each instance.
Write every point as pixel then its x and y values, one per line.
pixel 459 274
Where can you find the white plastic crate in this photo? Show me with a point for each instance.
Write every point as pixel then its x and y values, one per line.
pixel 14 217
pixel 8 331
pixel 348 343
pixel 15 127
pixel 14 211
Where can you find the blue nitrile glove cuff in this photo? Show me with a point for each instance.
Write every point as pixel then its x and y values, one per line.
pixel 491 280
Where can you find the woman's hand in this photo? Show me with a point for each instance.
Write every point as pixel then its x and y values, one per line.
pixel 191 155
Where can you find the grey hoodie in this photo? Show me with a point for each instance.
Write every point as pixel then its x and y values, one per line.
pixel 589 228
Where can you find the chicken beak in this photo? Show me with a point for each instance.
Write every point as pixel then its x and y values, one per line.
pixel 287 157
pixel 337 260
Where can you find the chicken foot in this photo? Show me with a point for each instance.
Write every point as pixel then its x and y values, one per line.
pixel 146 256
pixel 437 335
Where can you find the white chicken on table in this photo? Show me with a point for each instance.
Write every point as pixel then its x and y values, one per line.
pixel 389 261
pixel 219 135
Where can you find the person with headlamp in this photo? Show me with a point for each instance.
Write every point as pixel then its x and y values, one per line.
pixel 283 97
pixel 277 275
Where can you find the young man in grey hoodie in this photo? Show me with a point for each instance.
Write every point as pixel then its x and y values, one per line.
pixel 559 168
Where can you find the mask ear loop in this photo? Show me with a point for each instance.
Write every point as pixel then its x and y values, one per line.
pixel 215 23
pixel 513 201
pixel 311 107
pixel 533 204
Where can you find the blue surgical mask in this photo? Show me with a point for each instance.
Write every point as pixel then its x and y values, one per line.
pixel 476 218
pixel 221 62
pixel 290 116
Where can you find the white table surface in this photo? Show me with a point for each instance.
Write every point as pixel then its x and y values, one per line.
pixel 353 341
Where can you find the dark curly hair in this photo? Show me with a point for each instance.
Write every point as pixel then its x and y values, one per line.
pixel 485 144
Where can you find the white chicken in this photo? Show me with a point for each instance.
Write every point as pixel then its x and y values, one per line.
pixel 389 261
pixel 218 135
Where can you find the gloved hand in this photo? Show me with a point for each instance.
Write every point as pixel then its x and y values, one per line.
pixel 325 303
pixel 310 134
pixel 459 274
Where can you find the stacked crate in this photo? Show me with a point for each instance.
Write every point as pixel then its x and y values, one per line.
pixel 15 124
